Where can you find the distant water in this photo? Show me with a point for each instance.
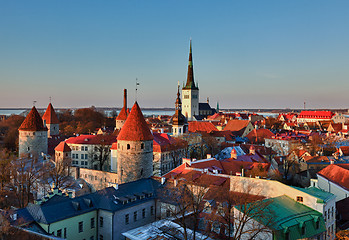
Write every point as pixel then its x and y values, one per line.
pixel 11 111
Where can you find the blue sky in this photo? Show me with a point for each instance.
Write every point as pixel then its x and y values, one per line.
pixel 247 54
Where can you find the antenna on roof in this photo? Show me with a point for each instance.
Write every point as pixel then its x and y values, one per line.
pixel 137 84
pixel 34 103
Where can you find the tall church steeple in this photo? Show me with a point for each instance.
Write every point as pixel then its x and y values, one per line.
pixel 190 77
pixel 178 120
pixel 190 92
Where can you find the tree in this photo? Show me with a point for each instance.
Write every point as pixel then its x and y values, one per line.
pixel 183 202
pixel 5 162
pixel 57 172
pixel 211 144
pixel 9 131
pixel 100 151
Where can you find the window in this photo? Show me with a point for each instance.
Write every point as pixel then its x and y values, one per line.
pixel 77 156
pixel 92 222
pixel 303 230
pixel 100 237
pixel 127 219
pixel 85 156
pixel 59 233
pixel 65 233
pixel 128 146
pixel 100 221
pixel 86 148
pixel 142 145
pixel 332 212
pixel 317 224
pixel 81 227
pixel 143 213
pixel 299 199
pixel 82 156
pixel 287 235
pixel 135 216
pixel 152 210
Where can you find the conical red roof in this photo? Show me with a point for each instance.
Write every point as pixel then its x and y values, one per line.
pixel 50 116
pixel 33 122
pixel 122 115
pixel 63 147
pixel 135 128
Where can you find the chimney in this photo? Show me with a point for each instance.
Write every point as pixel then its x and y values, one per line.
pixel 125 99
pixel 252 150
pixel 233 154
pixel 209 156
pixel 208 100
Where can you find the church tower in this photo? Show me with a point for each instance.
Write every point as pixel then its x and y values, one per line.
pixel 179 122
pixel 134 148
pixel 190 92
pixel 32 135
pixel 121 118
pixel 51 121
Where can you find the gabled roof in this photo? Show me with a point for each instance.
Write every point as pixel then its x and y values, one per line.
pixel 236 125
pixel 33 122
pixel 200 126
pixel 92 139
pixel 259 135
pixel 135 127
pixel 337 173
pixel 50 115
pixel 63 147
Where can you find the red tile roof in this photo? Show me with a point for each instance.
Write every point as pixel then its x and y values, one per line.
pixel 345 150
pixel 63 147
pixel 338 174
pixel 199 126
pixel 135 127
pixel 316 114
pixel 92 139
pixel 33 122
pixel 123 114
pixel 164 142
pixel 236 125
pixel 114 146
pixel 259 135
pixel 50 116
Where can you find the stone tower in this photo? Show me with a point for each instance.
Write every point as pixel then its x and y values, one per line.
pixel 32 135
pixel 134 148
pixel 190 92
pixel 179 122
pixel 51 121
pixel 121 118
pixel 62 152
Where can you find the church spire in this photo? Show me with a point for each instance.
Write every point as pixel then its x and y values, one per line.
pixel 190 77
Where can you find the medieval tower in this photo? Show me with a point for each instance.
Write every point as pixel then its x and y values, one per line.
pixel 190 92
pixel 179 122
pixel 134 148
pixel 32 135
pixel 51 121
pixel 121 118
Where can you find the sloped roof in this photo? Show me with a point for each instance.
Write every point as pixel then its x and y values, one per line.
pixel 92 139
pixel 316 114
pixel 33 122
pixel 200 126
pixel 338 174
pixel 50 115
pixel 123 114
pixel 236 125
pixel 345 150
pixel 63 147
pixel 259 135
pixel 135 127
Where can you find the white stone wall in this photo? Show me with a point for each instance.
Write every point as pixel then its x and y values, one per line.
pixel 32 142
pixel 331 187
pixel 190 103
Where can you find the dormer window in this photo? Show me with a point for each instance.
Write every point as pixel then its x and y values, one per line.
pixel 299 199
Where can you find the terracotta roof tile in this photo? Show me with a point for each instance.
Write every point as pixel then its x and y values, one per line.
pixel 338 174
pixel 63 147
pixel 33 122
pixel 316 114
pixel 50 115
pixel 236 125
pixel 135 127
pixel 259 135
pixel 123 114
pixel 198 126
pixel 92 139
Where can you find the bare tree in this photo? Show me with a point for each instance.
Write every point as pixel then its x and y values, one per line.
pixel 100 152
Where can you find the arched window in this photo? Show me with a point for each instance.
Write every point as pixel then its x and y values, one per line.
pixel 128 146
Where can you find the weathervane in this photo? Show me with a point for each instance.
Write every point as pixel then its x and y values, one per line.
pixel 50 99
pixel 34 103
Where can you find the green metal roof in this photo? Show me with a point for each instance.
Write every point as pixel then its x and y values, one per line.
pixel 288 218
pixel 322 195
